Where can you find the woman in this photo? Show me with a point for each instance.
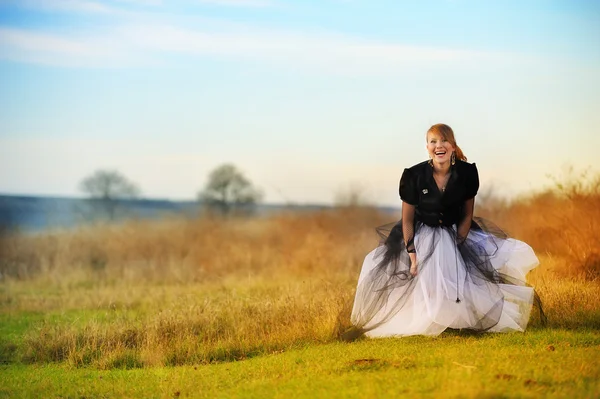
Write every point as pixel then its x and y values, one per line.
pixel 439 267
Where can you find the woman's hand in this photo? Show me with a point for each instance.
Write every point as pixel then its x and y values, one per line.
pixel 413 269
pixel 413 264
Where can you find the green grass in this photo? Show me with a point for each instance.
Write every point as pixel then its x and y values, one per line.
pixel 538 363
pixel 275 337
pixel 18 327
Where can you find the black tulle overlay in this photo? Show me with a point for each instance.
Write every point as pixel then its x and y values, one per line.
pixel 476 283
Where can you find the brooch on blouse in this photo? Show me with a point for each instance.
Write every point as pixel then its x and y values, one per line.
pixel 425 191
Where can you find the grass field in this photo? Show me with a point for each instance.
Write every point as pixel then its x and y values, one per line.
pixel 254 308
pixel 558 363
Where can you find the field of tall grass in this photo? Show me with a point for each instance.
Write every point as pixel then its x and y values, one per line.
pixel 212 290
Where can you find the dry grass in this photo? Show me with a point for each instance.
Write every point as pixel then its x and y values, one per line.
pixel 181 326
pixel 563 222
pixel 186 291
pixel 197 291
pixel 192 251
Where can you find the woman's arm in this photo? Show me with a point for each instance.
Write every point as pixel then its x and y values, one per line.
pixel 408 232
pixel 410 198
pixel 472 185
pixel 465 223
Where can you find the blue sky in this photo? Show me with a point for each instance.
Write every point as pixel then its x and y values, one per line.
pixel 306 97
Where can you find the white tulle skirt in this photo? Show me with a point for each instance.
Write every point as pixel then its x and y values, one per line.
pixel 448 291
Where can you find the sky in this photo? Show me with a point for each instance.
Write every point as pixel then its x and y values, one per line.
pixel 306 98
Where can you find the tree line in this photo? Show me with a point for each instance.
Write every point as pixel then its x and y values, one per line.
pixel 226 192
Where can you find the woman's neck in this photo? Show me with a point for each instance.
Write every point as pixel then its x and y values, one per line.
pixel 441 168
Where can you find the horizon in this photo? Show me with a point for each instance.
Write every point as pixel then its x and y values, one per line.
pixel 189 201
pixel 305 98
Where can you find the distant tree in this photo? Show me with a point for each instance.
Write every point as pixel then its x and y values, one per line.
pixel 228 191
pixel 105 188
pixel 352 195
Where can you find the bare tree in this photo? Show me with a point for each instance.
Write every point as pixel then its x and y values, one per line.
pixel 228 191
pixel 353 195
pixel 105 188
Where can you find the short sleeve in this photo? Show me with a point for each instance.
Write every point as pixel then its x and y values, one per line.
pixel 472 182
pixel 408 188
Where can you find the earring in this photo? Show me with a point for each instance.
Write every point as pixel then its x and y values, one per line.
pixel 453 157
pixel 430 162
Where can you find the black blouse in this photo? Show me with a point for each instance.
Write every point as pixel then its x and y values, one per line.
pixel 433 207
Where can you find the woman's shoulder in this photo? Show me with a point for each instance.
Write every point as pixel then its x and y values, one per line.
pixel 470 177
pixel 418 168
pixel 466 166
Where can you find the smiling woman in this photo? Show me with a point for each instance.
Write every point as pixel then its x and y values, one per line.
pixel 439 267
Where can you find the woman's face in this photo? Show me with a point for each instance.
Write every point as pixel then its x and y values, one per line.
pixel 440 150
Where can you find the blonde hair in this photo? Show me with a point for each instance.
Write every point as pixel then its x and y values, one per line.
pixel 446 132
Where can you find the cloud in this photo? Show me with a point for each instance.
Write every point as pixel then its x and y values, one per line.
pixel 78 6
pixel 64 50
pixel 139 38
pixel 238 3
pixel 31 41
pixel 97 7
pixel 155 44
pixel 142 2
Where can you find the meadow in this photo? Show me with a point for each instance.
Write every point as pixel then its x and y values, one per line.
pixel 255 307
